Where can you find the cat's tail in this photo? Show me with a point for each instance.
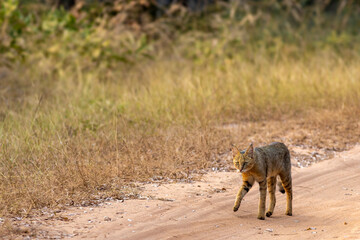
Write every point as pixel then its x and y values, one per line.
pixel 281 188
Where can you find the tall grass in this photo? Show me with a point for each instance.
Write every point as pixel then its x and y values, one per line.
pixel 87 111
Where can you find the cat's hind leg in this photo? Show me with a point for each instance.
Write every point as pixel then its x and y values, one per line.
pixel 287 184
pixel 271 188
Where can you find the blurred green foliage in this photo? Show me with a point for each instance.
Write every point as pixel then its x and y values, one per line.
pixel 57 32
pixel 127 32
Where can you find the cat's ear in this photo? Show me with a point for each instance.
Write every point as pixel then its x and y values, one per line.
pixel 250 151
pixel 235 150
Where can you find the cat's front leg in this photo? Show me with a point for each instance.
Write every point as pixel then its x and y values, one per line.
pixel 263 187
pixel 245 188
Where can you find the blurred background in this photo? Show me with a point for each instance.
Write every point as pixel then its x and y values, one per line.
pixel 96 95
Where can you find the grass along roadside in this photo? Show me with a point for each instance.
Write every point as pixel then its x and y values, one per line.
pixel 83 136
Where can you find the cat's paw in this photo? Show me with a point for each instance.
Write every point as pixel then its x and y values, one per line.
pixel 235 208
pixel 261 217
pixel 289 213
pixel 268 214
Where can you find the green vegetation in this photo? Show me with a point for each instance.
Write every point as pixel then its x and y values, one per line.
pixel 90 103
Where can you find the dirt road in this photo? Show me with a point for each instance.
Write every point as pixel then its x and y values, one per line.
pixel 326 205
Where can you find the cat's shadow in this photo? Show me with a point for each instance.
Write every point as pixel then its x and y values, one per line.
pixel 293 220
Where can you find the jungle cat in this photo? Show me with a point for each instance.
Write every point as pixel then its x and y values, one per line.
pixel 264 164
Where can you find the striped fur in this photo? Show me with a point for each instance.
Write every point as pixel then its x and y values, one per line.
pixel 265 165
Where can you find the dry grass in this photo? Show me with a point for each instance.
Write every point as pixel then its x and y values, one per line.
pixel 95 167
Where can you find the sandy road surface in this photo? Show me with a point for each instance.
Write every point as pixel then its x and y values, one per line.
pixel 326 206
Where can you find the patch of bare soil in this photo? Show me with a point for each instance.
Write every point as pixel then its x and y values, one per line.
pixel 326 205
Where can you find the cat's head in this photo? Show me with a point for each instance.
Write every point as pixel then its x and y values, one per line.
pixel 243 160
